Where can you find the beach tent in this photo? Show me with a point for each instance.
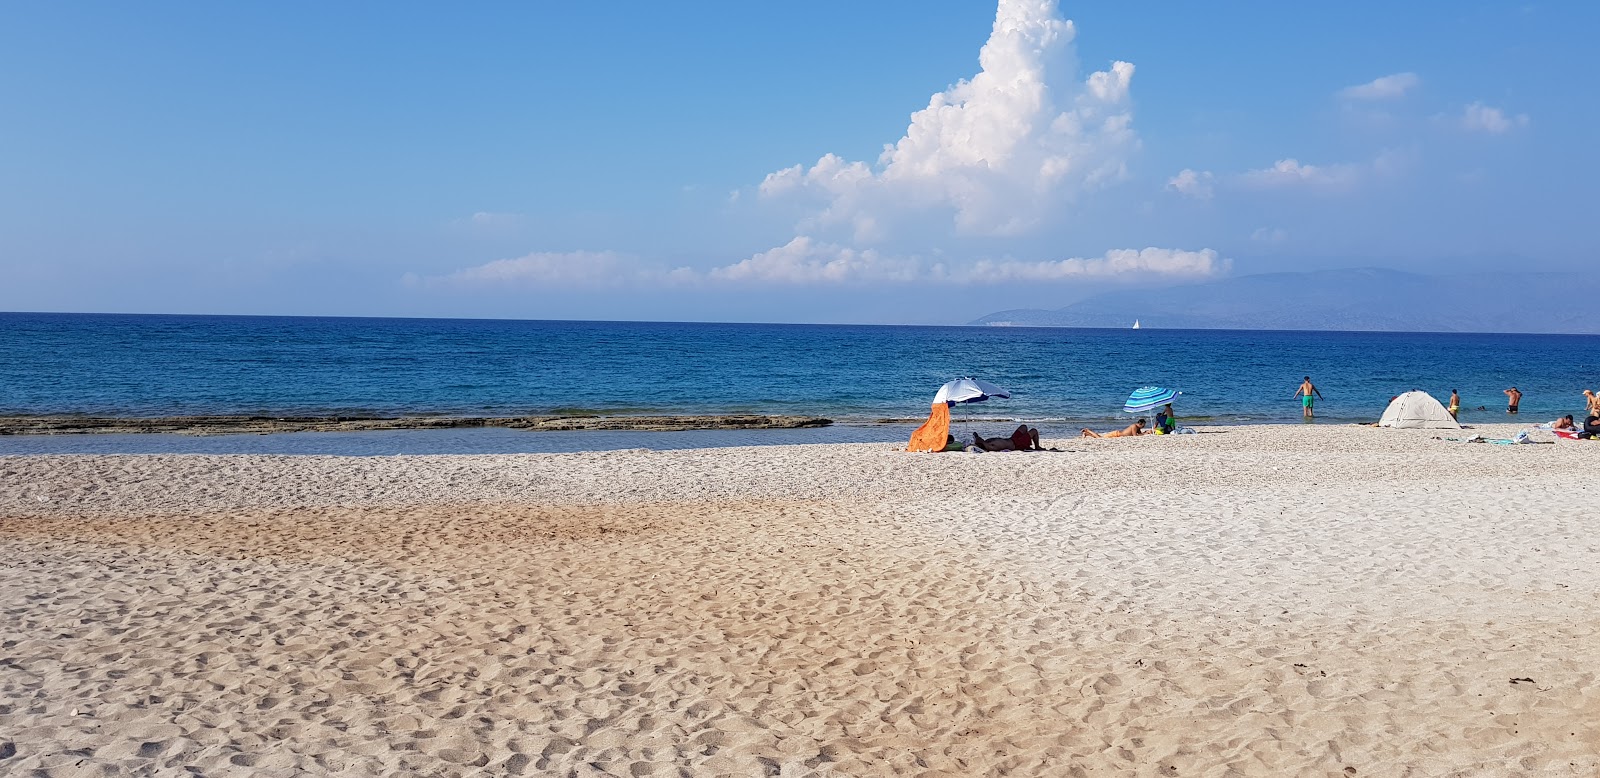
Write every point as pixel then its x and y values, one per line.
pixel 1417 410
pixel 933 432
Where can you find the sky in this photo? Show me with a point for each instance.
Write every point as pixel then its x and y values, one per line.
pixel 891 162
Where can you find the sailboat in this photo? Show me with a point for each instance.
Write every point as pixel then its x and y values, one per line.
pixel 1136 324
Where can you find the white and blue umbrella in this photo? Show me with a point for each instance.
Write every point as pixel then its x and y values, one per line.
pixel 968 390
pixel 1147 398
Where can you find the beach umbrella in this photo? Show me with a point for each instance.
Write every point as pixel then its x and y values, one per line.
pixel 932 434
pixel 968 390
pixel 1147 398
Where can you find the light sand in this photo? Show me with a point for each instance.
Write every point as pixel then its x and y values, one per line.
pixel 1262 601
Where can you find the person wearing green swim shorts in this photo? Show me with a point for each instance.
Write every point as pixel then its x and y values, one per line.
pixel 1305 392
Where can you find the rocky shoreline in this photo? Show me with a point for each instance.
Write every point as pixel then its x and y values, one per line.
pixel 261 425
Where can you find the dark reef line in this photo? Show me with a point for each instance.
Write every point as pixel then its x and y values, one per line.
pixel 223 425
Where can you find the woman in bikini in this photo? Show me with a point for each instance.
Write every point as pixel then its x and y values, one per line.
pixel 1131 431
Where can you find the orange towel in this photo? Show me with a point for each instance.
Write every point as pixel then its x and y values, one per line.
pixel 932 434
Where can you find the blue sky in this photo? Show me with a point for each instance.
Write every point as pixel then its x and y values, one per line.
pixel 727 161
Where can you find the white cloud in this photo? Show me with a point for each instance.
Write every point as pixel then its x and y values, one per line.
pixel 831 174
pixel 486 220
pixel 1269 235
pixel 1382 88
pixel 1292 174
pixel 1190 183
pixel 1115 263
pixel 803 261
pixel 999 150
pixel 1289 173
pixel 1487 118
pixel 565 270
pixel 806 261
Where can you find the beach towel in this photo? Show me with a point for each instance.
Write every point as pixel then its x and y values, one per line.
pixel 933 432
pixel 1521 438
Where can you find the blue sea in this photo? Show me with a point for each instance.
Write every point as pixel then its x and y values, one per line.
pixel 155 365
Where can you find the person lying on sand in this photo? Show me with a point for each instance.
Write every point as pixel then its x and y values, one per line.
pixel 1131 431
pixel 1591 428
pixel 1564 423
pixel 1024 439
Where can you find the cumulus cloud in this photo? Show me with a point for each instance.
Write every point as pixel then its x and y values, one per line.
pixel 1190 183
pixel 998 151
pixel 803 260
pixel 1486 118
pixel 1389 87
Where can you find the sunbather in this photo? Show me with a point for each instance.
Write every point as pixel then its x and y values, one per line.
pixel 1025 438
pixel 1131 431
pixel 1564 423
pixel 1591 428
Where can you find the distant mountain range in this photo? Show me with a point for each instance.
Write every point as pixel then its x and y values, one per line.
pixel 1367 299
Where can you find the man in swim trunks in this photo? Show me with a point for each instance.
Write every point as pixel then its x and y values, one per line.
pixel 1514 398
pixel 1455 403
pixel 1304 393
pixel 1131 431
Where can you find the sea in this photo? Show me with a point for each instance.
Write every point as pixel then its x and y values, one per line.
pixel 873 381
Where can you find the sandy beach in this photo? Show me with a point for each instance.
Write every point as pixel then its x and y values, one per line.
pixel 1275 600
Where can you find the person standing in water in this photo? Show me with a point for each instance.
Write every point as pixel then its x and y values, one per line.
pixel 1513 399
pixel 1455 403
pixel 1304 393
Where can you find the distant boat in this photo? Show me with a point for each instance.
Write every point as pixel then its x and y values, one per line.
pixel 1136 324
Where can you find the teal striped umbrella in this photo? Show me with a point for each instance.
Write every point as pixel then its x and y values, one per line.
pixel 1147 398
